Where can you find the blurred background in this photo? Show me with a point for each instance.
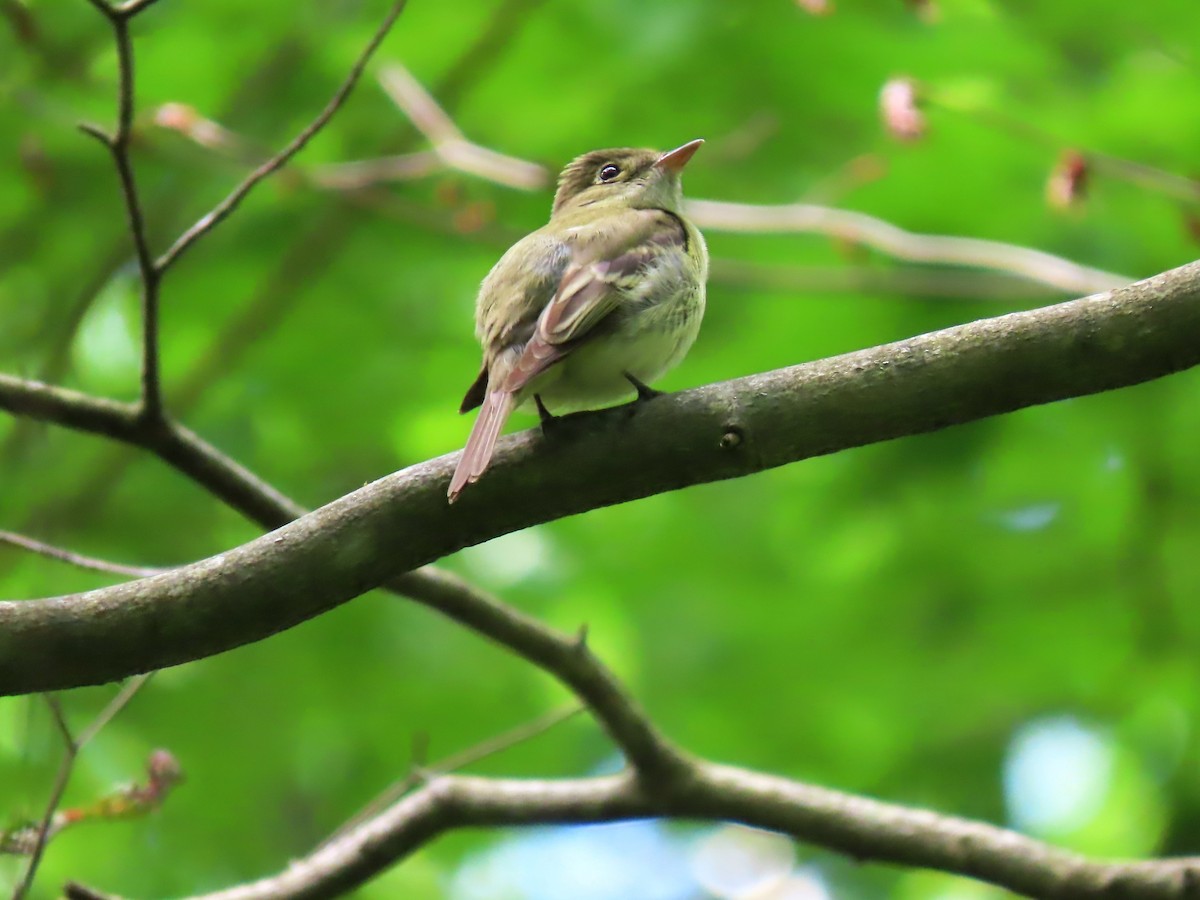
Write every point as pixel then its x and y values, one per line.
pixel 996 621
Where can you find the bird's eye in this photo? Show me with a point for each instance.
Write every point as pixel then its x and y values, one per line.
pixel 609 172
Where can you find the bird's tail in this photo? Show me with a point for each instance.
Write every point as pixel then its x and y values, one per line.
pixel 496 408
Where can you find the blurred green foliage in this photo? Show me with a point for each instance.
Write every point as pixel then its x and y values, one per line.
pixel 883 621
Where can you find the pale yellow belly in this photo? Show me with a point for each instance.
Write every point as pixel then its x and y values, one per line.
pixel 594 375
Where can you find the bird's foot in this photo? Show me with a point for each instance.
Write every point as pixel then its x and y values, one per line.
pixel 644 391
pixel 549 421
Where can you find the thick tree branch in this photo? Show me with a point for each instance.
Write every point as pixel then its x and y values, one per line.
pixel 862 828
pixel 727 430
pixel 175 445
pixel 240 489
pixel 569 660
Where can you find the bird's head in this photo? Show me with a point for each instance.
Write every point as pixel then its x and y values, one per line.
pixel 624 177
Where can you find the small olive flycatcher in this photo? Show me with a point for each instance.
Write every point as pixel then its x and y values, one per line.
pixel 600 301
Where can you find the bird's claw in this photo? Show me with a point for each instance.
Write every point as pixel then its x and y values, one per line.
pixel 644 391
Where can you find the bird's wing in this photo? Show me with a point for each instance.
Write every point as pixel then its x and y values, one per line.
pixel 604 271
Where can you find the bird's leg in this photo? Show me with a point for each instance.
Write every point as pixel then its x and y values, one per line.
pixel 548 420
pixel 644 391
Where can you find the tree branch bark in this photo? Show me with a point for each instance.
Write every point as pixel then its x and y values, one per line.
pixel 1118 338
pixel 865 829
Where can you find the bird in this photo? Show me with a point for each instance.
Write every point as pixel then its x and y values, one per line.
pixel 593 306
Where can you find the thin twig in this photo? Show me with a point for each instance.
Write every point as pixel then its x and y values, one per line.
pixel 860 228
pixel 1170 184
pixel 103 7
pixel 451 149
pixel 568 659
pixel 1179 187
pixel 118 145
pixel 448 141
pixel 73 747
pixel 218 474
pixel 454 763
pixel 457 152
pixel 151 380
pixel 507 740
pixel 76 559
pixel 131 8
pixel 114 706
pixel 214 217
pixel 809 281
pixel 361 173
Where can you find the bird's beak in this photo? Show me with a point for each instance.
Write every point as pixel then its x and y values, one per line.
pixel 674 160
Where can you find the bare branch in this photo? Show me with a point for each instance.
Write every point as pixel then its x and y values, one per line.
pixel 131 8
pixel 454 763
pixel 506 741
pixel 105 9
pixel 450 595
pixel 458 153
pixel 913 281
pixel 1170 184
pixel 172 443
pixel 1179 187
pixel 72 748
pixel 62 406
pixel 449 143
pixel 46 826
pixel 213 218
pixel 863 829
pixel 418 104
pixel 354 176
pixel 451 149
pixel 1087 345
pixel 114 706
pixel 715 215
pixel 567 659
pixel 76 559
pixel 401 522
pixel 118 145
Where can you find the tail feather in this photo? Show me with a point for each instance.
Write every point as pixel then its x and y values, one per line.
pixel 497 406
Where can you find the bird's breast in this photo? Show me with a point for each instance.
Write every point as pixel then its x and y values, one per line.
pixel 644 341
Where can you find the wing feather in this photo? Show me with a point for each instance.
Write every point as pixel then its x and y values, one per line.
pixel 593 286
pixel 607 264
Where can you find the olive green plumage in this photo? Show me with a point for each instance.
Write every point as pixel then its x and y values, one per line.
pixel 609 293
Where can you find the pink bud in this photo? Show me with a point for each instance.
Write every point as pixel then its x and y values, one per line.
pixel 898 105
pixel 1067 186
